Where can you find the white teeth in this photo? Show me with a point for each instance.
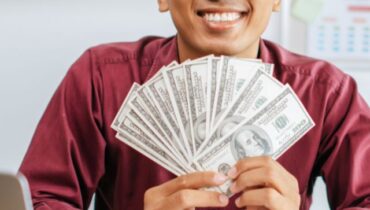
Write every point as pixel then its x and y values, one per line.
pixel 217 17
pixel 230 17
pixel 222 17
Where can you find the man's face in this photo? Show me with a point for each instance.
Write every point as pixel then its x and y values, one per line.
pixel 229 27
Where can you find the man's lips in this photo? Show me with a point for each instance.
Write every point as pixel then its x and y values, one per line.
pixel 217 19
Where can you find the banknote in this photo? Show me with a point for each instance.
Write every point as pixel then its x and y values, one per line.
pixel 213 70
pixel 139 122
pixel 162 102
pixel 127 128
pixel 157 91
pixel 233 74
pixel 126 112
pixel 196 90
pixel 165 135
pixel 132 142
pixel 170 130
pixel 131 134
pixel 175 82
pixel 208 113
pixel 271 131
pixel 250 99
pixel 135 86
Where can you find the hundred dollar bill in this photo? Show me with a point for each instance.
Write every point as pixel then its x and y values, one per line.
pixel 136 125
pixel 135 135
pixel 161 99
pixel 120 115
pixel 213 70
pixel 135 86
pixel 234 73
pixel 127 112
pixel 196 88
pixel 250 99
pixel 175 82
pixel 136 119
pixel 170 130
pixel 158 91
pixel 147 153
pixel 118 118
pixel 138 107
pixel 176 85
pixel 271 131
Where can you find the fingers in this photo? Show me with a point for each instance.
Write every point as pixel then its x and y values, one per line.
pixel 257 178
pixel 182 192
pixel 263 197
pixel 263 171
pixel 265 184
pixel 184 199
pixel 249 164
pixel 190 181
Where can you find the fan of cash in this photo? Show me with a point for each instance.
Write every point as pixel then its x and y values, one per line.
pixel 207 114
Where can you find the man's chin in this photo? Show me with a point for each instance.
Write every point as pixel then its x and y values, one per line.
pixel 223 49
pixel 241 48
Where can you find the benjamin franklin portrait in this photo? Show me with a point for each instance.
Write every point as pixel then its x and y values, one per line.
pixel 250 141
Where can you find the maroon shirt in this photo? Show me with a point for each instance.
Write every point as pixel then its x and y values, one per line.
pixel 74 152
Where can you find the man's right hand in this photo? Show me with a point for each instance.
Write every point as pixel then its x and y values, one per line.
pixel 183 193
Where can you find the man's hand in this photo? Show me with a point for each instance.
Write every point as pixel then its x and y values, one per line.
pixel 183 193
pixel 264 184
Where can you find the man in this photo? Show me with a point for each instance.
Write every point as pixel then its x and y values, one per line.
pixel 74 152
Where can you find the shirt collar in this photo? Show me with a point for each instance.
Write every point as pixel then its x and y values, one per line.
pixel 267 56
pixel 264 52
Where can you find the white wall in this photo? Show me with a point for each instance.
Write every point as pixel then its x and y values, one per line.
pixel 40 39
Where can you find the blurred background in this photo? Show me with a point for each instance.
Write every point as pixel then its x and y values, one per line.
pixel 40 39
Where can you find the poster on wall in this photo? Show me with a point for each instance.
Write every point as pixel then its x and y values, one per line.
pixel 341 31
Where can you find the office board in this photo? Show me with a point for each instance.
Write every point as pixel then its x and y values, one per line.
pixel 341 32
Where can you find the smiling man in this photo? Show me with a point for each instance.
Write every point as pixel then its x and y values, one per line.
pixel 74 152
pixel 221 27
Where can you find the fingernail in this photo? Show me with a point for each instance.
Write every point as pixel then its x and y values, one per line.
pixel 223 199
pixel 237 202
pixel 233 188
pixel 232 172
pixel 220 178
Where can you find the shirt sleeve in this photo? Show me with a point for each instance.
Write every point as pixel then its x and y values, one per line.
pixel 345 149
pixel 65 160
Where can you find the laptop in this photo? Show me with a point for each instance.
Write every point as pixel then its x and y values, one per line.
pixel 14 192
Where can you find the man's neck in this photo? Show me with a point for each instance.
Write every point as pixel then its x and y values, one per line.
pixel 185 52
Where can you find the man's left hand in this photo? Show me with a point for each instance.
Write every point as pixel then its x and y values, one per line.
pixel 264 184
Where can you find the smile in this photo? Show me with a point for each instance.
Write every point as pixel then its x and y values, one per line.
pixel 222 17
pixel 218 20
